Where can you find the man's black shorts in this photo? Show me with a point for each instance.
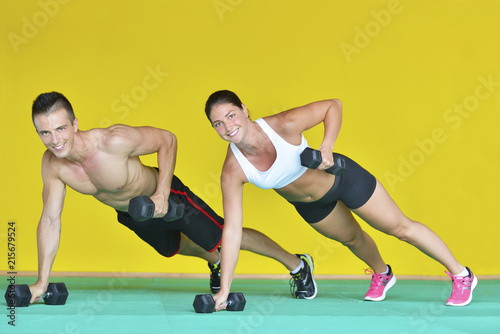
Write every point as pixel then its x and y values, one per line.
pixel 199 223
pixel 354 188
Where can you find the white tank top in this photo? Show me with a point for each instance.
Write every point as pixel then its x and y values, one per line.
pixel 285 169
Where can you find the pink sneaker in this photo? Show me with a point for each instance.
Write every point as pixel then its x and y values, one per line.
pixel 461 294
pixel 381 283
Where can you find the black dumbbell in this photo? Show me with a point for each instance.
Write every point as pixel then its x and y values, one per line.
pixel 206 303
pixel 311 158
pixel 19 295
pixel 142 208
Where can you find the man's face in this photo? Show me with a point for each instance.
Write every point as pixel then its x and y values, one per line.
pixel 56 131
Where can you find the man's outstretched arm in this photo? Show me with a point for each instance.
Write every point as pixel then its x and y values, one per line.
pixel 49 226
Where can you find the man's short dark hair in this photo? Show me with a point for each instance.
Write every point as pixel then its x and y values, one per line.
pixel 49 102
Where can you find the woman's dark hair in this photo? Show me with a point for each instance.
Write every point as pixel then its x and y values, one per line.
pixel 48 102
pixel 220 97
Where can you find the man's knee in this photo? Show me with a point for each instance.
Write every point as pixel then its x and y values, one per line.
pixel 247 237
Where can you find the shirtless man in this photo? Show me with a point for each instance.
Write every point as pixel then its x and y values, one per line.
pixel 105 163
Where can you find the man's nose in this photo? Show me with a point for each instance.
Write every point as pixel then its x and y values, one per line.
pixel 55 138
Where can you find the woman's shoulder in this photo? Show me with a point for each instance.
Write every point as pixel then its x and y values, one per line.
pixel 284 125
pixel 231 168
pixel 278 122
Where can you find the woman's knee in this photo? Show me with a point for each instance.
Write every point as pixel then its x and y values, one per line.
pixel 404 231
pixel 354 240
pixel 349 235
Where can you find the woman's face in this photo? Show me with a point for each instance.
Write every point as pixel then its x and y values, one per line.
pixel 229 121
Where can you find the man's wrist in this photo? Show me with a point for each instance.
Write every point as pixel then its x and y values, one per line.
pixel 43 280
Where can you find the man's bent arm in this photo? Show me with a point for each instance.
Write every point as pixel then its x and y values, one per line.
pixel 137 141
pixel 166 155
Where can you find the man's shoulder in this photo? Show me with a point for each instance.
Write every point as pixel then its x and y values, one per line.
pixel 49 158
pixel 113 134
pixel 104 138
pixel 51 165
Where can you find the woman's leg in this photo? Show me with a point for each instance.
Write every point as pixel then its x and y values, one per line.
pixel 382 213
pixel 341 226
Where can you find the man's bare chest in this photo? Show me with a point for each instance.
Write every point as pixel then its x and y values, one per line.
pixel 97 175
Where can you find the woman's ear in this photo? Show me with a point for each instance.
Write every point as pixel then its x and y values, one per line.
pixel 244 108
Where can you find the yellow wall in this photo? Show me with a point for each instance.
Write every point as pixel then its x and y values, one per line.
pixel 419 80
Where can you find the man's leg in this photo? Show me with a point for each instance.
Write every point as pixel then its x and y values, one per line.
pixel 301 266
pixel 257 242
pixel 189 248
pixel 201 225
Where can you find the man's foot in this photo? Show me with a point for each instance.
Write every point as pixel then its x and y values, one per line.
pixel 381 283
pixel 302 284
pixel 461 294
pixel 214 277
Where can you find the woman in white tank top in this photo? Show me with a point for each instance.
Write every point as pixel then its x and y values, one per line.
pixel 254 154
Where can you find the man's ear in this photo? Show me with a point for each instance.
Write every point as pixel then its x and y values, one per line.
pixel 75 125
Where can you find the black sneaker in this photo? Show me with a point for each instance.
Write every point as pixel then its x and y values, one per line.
pixel 214 277
pixel 302 284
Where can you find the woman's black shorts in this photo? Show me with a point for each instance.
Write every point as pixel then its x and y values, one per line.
pixel 354 188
